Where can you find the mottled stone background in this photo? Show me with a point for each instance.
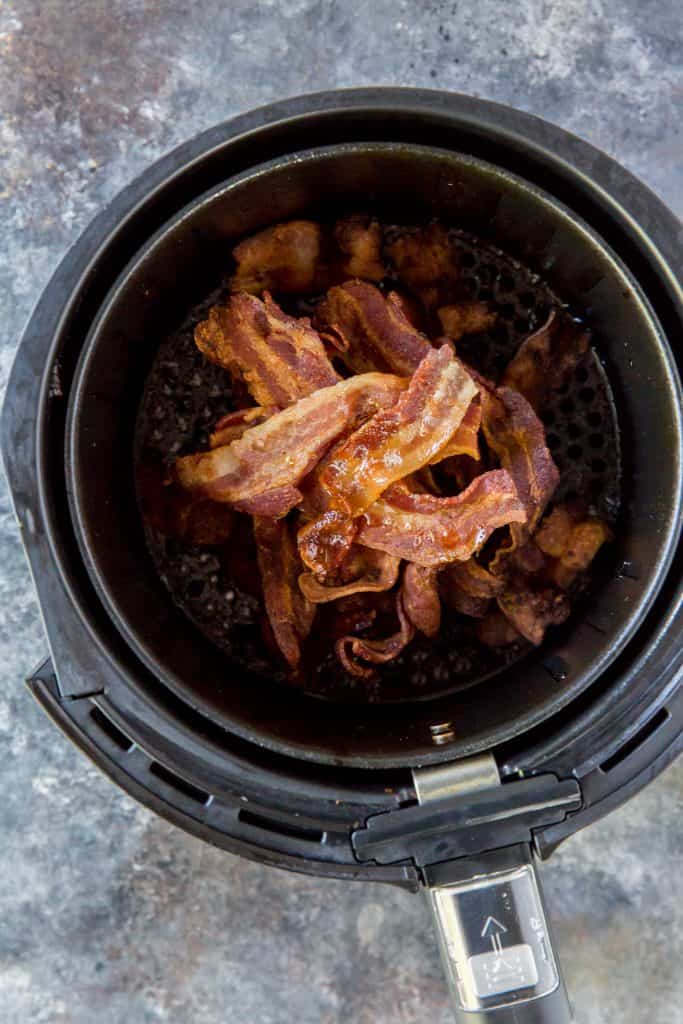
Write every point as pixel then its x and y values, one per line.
pixel 106 913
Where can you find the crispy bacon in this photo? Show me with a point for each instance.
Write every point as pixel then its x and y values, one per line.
pixel 465 440
pixel 283 258
pixel 231 426
pixel 472 607
pixel 371 332
pixel 395 442
pixel 280 358
pixel 289 612
pixel 427 262
pixel 260 471
pixel 421 600
pixel 515 435
pixel 546 357
pixel 466 318
pixel 354 651
pixel 360 240
pixel 362 571
pixel 552 536
pixel 302 256
pixel 401 439
pixel 569 542
pixel 495 630
pixel 583 544
pixel 431 531
pixel 531 611
pixel 473 579
pixel 411 308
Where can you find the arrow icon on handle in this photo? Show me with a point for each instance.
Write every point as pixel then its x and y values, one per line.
pixel 492 927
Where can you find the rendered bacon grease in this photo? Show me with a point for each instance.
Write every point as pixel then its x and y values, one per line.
pixel 373 463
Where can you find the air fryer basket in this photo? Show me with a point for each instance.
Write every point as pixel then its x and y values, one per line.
pixel 186 259
pixel 184 397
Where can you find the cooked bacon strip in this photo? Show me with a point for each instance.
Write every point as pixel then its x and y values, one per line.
pixel 302 256
pixel 473 579
pixel 260 471
pixel 371 332
pixel 360 240
pixel 465 440
pixel 568 541
pixel 347 616
pixel 514 433
pixel 289 612
pixel 472 607
pixel 362 571
pixel 231 426
pixel 465 318
pixel 427 262
pixel 411 309
pixel 469 588
pixel 421 601
pixel 352 651
pixel 583 544
pixel 552 536
pixel 280 357
pixel 395 442
pixel 431 531
pixel 283 258
pixel 495 630
pixel 546 357
pixel 399 440
pixel 531 611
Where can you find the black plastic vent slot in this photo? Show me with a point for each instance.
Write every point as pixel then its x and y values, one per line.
pixel 281 828
pixel 110 730
pixel 186 788
pixel 644 734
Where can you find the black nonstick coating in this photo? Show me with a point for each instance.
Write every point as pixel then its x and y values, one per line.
pixel 185 261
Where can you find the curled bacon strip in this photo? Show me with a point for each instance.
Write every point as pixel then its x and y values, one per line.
pixel 516 435
pixel 289 612
pixel 280 357
pixel 465 440
pixel 546 357
pixel 430 530
pixel 362 571
pixel 283 258
pixel 395 442
pixel 371 332
pixel 427 261
pixel 231 426
pixel 354 651
pixel 421 601
pixel 259 472
pixel 465 318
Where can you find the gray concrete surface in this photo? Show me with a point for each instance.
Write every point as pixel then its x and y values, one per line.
pixel 106 913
